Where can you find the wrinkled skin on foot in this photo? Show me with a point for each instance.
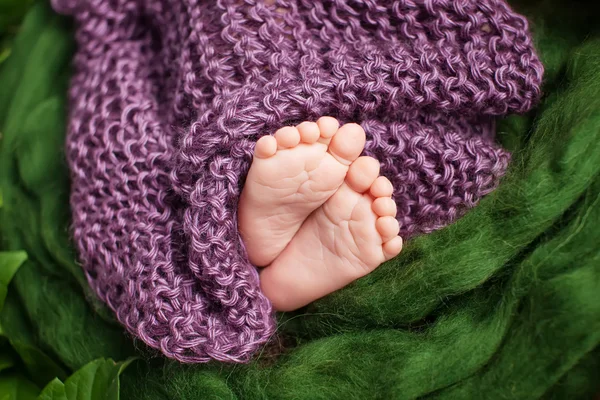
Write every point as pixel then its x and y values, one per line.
pixel 293 173
pixel 313 212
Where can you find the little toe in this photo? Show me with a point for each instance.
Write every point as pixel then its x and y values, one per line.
pixel 382 187
pixel 347 144
pixel 362 173
pixel 384 207
pixel 388 228
pixel 392 247
pixel 287 137
pixel 266 147
pixel 328 126
pixel 309 132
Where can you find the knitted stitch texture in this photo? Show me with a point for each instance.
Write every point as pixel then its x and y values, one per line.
pixel 169 97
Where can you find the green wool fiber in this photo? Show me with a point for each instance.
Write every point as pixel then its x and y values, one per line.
pixel 502 304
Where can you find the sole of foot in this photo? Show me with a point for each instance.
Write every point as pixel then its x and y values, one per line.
pixel 294 172
pixel 348 237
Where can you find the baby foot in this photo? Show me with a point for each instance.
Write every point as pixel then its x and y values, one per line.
pixel 293 173
pixel 348 237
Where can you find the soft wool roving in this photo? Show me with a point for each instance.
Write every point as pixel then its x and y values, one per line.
pixel 169 97
pixel 501 304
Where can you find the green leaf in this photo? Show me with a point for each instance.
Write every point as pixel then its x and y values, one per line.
pixel 46 61
pixel 4 53
pixel 13 10
pixel 41 365
pixel 9 264
pixel 54 391
pixel 41 368
pixel 6 361
pixel 98 380
pixel 11 71
pixel 15 387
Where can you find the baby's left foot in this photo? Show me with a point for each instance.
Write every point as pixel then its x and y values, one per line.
pixel 348 237
pixel 293 173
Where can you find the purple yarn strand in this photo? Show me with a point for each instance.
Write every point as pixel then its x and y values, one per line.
pixel 169 97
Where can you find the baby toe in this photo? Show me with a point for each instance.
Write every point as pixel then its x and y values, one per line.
pixel 382 187
pixel 384 207
pixel 266 147
pixel 328 126
pixel 287 137
pixel 309 132
pixel 362 173
pixel 392 247
pixel 388 228
pixel 348 143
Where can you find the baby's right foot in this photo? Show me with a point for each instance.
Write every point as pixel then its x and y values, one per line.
pixel 345 239
pixel 293 174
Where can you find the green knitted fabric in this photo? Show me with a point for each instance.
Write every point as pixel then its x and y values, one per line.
pixel 503 304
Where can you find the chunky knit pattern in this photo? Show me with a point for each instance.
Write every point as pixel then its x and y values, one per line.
pixel 169 97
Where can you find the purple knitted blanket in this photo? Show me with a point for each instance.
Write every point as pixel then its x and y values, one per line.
pixel 169 97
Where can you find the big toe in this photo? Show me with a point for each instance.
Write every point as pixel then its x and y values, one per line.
pixel 347 144
pixel 362 173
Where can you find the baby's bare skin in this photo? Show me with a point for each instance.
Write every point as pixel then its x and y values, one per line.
pixel 314 213
pixel 293 174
